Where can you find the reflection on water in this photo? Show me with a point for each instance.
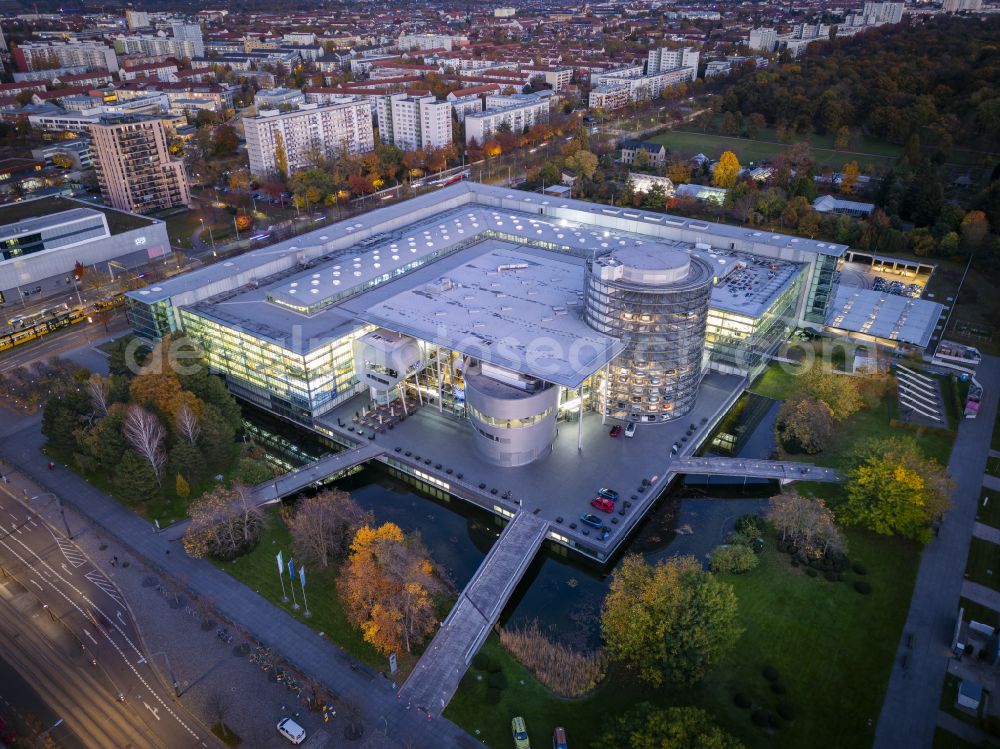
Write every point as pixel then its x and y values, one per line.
pixel 562 591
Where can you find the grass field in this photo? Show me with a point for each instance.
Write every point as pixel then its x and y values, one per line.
pixel 945 740
pixel 989 513
pixel 258 570
pixel 787 615
pixel 983 564
pixel 766 147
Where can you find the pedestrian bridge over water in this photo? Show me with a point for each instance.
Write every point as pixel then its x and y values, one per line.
pixel 320 470
pixel 779 470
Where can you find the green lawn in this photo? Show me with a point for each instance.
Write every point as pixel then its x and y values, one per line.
pixel 983 564
pixel 979 612
pixel 765 147
pixel 258 570
pixel 832 646
pixel 989 511
pixel 993 466
pixel 945 740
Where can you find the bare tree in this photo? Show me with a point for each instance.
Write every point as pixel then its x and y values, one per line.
pixel 97 387
pixel 223 524
pixel 807 523
pixel 218 706
pixel 323 526
pixel 187 422
pixel 144 434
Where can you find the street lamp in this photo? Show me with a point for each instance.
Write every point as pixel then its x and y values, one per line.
pixel 40 739
pixel 176 684
pixel 62 510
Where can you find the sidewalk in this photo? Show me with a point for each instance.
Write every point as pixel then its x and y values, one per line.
pixel 909 712
pixel 986 533
pixel 981 594
pixel 963 730
pixel 303 648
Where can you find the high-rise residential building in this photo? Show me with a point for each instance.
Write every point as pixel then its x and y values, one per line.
pixel 76 53
pixel 411 121
pixel 519 112
pixel 431 41
pixel 880 13
pixel 134 167
pixel 190 32
pixel 660 60
pixel 958 6
pixel 297 135
pixel 157 46
pixel 136 19
pixel 763 39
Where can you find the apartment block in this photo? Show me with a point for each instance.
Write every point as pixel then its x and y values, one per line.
pixel 881 13
pixel 136 19
pixel 190 33
pixel 609 88
pixel 661 60
pixel 312 128
pixel 467 101
pixel 134 168
pixel 431 41
pixel 35 55
pixel 520 112
pixel 959 6
pixel 411 121
pixel 763 39
pixel 556 77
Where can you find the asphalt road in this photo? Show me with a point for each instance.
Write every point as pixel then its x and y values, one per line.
pixel 58 613
pixel 62 341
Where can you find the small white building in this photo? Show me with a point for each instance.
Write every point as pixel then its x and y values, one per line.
pixel 831 204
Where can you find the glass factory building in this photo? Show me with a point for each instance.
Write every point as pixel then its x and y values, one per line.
pixel 509 311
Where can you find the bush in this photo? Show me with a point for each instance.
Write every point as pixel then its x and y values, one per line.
pixel 741 700
pixel 482 662
pixel 772 721
pixel 493 696
pixel 749 525
pixel 831 576
pixel 733 559
pixel 761 718
pixel 859 569
pixel 795 562
pixel 497 680
pixel 777 687
pixel 785 711
pixel 811 572
pixel 863 587
pixel 770 673
pixel 567 672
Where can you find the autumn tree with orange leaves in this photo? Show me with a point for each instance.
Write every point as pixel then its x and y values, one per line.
pixel 388 587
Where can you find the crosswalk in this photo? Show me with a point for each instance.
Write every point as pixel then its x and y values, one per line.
pixel 104 584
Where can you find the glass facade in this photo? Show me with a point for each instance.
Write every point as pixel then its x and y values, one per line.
pixel 153 321
pixel 292 385
pixel 822 289
pixel 656 378
pixel 741 344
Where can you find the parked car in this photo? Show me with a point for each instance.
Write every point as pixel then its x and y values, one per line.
pixel 592 520
pixel 291 730
pixel 630 429
pixel 520 733
pixel 609 494
pixel 603 504
pixel 616 430
pixel 559 739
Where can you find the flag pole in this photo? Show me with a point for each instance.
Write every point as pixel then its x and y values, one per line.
pixel 291 583
pixel 302 580
pixel 281 578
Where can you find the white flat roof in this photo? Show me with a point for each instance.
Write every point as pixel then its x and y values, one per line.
pixel 876 313
pixel 518 310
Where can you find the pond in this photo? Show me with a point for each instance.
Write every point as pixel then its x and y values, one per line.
pixel 560 590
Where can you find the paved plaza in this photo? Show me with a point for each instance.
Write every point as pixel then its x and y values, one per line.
pixel 558 487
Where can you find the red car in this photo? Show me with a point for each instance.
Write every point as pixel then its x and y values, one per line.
pixel 603 503
pixel 616 430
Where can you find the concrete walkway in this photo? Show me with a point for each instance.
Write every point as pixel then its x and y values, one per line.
pixel 436 677
pixel 986 533
pixel 981 594
pixel 782 470
pixel 302 647
pixel 990 482
pixel 965 731
pixel 909 712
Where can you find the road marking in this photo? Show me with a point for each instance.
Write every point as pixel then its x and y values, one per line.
pixel 13 516
pixel 154 710
pixel 69 550
pixel 105 585
pixel 65 569
pixel 35 583
pixel 114 644
pixel 90 636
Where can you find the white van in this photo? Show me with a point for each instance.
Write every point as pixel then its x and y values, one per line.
pixel 291 730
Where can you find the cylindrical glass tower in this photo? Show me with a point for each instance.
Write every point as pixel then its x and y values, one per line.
pixel 655 300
